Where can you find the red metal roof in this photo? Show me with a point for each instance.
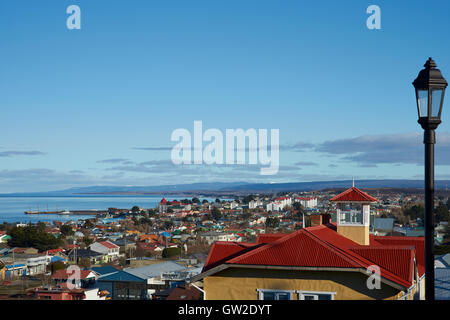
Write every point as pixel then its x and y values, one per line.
pixel 355 195
pixel 269 237
pixel 63 274
pixel 322 246
pixel 109 245
pixel 417 242
pixel 224 250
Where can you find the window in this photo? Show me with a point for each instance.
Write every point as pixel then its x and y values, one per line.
pixel 271 294
pixel 311 295
pixel 351 213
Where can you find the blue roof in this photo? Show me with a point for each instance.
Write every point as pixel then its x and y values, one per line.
pixel 120 276
pixel 442 283
pixel 11 266
pixel 165 234
pixel 57 258
pixel 104 270
pixel 383 224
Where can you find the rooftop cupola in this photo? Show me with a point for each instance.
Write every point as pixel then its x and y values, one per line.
pixel 353 214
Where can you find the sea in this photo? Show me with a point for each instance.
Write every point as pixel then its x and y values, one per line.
pixel 12 209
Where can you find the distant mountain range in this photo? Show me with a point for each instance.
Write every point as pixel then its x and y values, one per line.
pixel 217 188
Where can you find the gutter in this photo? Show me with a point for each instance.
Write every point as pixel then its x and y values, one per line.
pixel 266 267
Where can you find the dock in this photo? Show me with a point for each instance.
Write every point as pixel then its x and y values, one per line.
pixel 70 212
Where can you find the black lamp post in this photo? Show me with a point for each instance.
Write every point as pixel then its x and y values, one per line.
pixel 430 89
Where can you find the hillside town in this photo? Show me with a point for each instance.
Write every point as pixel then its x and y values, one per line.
pixel 194 249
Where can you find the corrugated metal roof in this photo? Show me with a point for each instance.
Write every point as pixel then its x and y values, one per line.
pixel 225 250
pixel 322 246
pixel 417 242
pixel 295 249
pixel 269 237
pixel 383 224
pixel 442 283
pixel 154 270
pixel 120 276
pixel 354 194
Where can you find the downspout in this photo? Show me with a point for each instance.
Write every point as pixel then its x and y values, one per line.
pixel 196 287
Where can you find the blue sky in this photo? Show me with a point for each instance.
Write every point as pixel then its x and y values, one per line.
pixel 97 106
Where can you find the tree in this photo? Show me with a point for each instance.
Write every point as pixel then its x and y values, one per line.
pixel 195 200
pixel 66 230
pixel 205 201
pixel 40 226
pixel 88 224
pixel 217 200
pixel 442 213
pixel 216 214
pixel 87 241
pixel 32 236
pixel 168 224
pixel 135 210
pixel 298 206
pixel 85 263
pixel 171 252
pixel 272 222
pixel 414 212
pixel 58 265
pixel 248 198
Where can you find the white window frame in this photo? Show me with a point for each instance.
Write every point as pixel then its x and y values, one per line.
pixel 301 294
pixel 262 291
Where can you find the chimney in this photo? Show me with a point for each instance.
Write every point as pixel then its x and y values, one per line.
pixel 326 218
pixel 319 219
pixel 316 220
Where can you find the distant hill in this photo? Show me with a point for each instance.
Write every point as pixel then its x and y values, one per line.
pixel 319 185
pixel 234 188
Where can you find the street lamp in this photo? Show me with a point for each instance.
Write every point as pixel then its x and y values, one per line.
pixel 430 89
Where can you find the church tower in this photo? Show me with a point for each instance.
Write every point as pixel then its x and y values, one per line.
pixel 353 214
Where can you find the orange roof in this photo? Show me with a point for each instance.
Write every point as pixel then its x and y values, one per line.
pixel 152 237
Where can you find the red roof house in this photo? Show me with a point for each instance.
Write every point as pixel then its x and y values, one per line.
pixel 318 262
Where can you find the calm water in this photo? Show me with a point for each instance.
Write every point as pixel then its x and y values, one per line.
pixel 12 208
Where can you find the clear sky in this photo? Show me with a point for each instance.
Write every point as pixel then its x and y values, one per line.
pixel 97 106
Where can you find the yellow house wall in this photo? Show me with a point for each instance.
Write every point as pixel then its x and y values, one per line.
pixel 358 234
pixel 242 284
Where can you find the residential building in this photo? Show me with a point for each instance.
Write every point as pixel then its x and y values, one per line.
pixel 331 261
pixel 106 247
pixel 212 236
pixel 307 202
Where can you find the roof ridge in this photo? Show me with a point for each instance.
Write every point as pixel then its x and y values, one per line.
pixel 363 194
pixel 364 262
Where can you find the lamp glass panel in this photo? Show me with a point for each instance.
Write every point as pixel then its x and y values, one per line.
pixel 436 96
pixel 422 102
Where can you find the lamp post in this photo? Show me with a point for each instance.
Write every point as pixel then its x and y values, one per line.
pixel 430 89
